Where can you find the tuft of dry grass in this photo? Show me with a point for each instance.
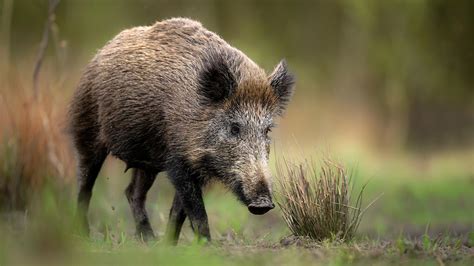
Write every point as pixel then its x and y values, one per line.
pixel 33 147
pixel 318 202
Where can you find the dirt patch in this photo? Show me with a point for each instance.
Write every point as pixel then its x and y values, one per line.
pixel 442 249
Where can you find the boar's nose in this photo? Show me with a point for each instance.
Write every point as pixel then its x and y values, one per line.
pixel 261 206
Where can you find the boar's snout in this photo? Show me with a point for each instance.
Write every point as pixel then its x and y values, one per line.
pixel 261 206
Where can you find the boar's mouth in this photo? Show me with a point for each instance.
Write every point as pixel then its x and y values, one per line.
pixel 261 206
pixel 262 203
pixel 258 206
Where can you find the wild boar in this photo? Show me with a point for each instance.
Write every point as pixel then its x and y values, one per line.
pixel 175 97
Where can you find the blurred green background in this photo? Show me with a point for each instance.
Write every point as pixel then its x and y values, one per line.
pixel 385 74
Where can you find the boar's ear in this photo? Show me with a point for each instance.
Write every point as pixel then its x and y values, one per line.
pixel 282 81
pixel 216 82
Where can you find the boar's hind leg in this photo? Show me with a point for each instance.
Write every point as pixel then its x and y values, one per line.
pixel 136 195
pixel 88 169
pixel 176 220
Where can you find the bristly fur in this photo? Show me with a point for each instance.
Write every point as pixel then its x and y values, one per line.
pixel 165 98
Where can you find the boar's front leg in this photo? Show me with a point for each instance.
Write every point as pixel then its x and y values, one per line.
pixel 188 189
pixel 176 220
pixel 193 204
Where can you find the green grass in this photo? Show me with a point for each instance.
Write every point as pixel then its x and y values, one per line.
pixel 124 251
pixel 419 220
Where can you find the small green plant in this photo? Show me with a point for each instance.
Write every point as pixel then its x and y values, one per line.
pixel 426 240
pixel 317 202
pixel 401 244
pixel 471 238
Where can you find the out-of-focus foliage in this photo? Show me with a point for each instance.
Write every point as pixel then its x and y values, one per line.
pixel 402 70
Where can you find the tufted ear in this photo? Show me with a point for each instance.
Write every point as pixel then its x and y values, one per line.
pixel 216 81
pixel 283 82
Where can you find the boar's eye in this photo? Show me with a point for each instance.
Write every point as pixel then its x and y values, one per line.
pixel 234 129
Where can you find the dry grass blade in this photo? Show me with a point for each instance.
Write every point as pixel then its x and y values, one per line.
pixel 316 202
pixel 33 149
